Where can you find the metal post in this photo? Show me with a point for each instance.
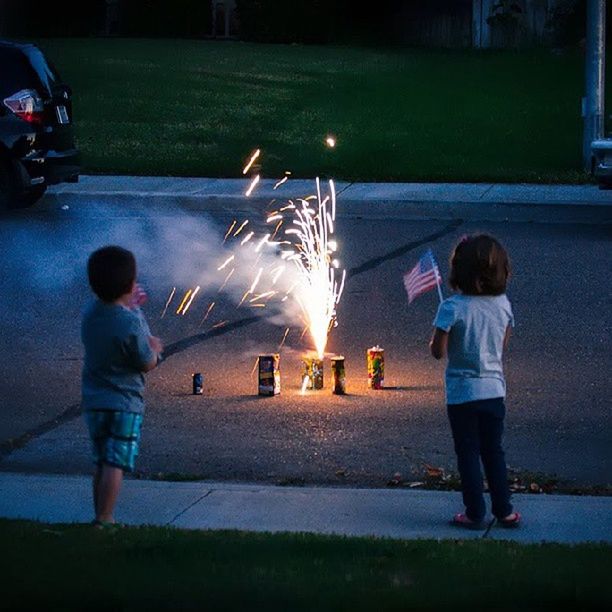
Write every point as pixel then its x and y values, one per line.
pixel 593 102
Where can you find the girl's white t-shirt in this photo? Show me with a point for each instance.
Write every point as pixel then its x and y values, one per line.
pixel 476 327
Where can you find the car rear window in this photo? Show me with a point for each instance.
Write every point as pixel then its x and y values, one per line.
pixel 16 73
pixel 46 71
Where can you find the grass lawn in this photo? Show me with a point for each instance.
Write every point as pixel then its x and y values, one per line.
pixel 77 567
pixel 198 108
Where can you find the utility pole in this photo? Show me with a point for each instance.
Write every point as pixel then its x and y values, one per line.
pixel 593 103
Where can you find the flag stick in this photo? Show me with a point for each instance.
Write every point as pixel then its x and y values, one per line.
pixel 438 278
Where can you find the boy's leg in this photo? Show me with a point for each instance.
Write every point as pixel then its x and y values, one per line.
pixel 491 426
pixel 109 486
pixel 96 487
pixel 464 425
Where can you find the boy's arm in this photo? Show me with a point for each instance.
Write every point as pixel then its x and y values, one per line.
pixel 438 345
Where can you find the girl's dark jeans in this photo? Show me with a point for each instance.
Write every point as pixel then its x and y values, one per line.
pixel 477 432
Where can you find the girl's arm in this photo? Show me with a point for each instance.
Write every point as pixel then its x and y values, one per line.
pixel 507 336
pixel 438 344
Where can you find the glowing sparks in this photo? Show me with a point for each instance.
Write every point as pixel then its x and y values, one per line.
pixel 254 182
pixel 242 226
pixel 208 311
pixel 229 231
pixel 251 161
pixel 168 302
pixel 227 261
pixel 279 183
pixel 309 264
pixel 226 279
pixel 247 238
pixel 184 301
pixel 256 281
pixel 188 305
pixel 304 385
pixel 219 324
pixel 280 346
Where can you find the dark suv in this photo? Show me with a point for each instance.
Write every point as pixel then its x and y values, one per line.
pixel 36 142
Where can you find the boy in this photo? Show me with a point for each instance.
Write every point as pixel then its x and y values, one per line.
pixel 119 349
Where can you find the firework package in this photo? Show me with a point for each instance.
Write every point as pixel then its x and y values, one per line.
pixel 313 371
pixel 198 383
pixel 376 367
pixel 338 375
pixel 269 374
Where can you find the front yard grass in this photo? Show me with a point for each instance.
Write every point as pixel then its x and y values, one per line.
pixel 77 567
pixel 198 108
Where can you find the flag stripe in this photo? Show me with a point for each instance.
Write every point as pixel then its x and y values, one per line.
pixel 424 276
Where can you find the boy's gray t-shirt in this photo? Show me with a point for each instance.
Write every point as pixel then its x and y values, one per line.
pixel 116 342
pixel 476 327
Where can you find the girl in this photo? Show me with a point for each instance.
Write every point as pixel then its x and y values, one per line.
pixel 472 328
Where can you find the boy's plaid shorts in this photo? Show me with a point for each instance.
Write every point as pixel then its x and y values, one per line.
pixel 115 437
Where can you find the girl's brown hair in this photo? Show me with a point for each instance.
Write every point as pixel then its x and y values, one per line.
pixel 479 265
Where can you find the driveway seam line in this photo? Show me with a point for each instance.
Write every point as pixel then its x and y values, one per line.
pixel 197 501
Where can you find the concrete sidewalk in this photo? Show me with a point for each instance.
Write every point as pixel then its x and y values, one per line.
pixel 482 201
pixel 393 513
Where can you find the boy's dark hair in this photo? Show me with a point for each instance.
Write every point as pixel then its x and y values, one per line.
pixel 112 272
pixel 479 266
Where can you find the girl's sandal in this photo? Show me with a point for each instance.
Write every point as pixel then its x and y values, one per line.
pixel 510 523
pixel 461 520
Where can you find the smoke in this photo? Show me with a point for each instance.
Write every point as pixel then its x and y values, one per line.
pixel 46 254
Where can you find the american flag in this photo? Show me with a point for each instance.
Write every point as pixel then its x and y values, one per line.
pixel 423 277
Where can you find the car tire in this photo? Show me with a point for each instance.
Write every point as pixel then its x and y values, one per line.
pixel 30 197
pixel 6 186
pixel 10 196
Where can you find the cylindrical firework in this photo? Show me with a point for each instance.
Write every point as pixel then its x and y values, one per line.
pixel 198 383
pixel 338 375
pixel 376 367
pixel 269 374
pixel 313 371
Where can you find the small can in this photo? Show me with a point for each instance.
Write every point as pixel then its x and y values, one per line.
pixel 313 371
pixel 338 375
pixel 269 375
pixel 198 384
pixel 376 367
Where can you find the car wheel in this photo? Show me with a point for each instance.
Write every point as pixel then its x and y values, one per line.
pixel 10 196
pixel 29 197
pixel 6 187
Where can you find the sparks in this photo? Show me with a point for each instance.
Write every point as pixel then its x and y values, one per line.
pixel 230 258
pixel 168 302
pixel 256 281
pixel 279 183
pixel 226 279
pixel 189 292
pixel 242 226
pixel 280 346
pixel 187 306
pixel 210 307
pixel 220 324
pixel 247 238
pixel 254 182
pixel 304 385
pixel 250 162
pixel 229 231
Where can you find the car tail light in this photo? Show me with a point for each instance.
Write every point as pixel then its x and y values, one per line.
pixel 27 105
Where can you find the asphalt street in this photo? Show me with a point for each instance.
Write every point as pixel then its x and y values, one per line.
pixel 557 366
